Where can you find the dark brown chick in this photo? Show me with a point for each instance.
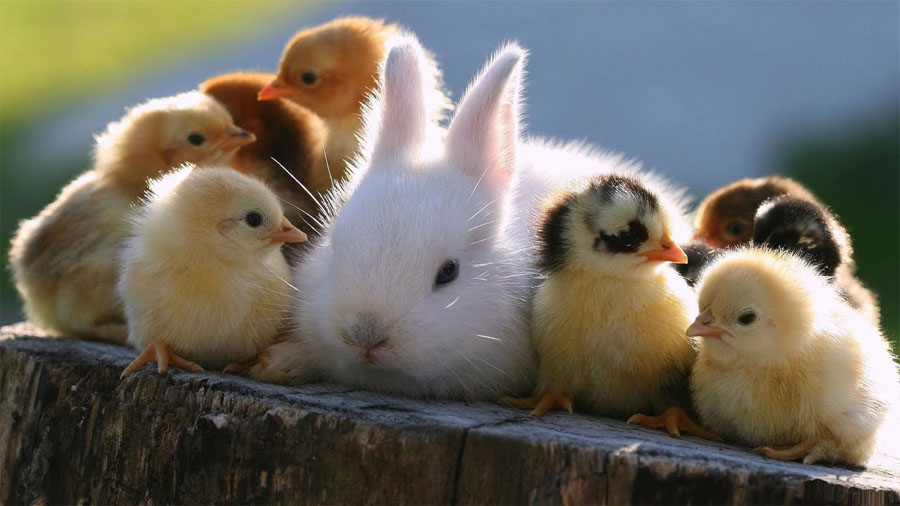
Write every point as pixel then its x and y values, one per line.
pixel 285 131
pixel 797 221
pixel 725 217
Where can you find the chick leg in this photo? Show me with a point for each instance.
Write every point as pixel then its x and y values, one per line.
pixel 161 354
pixel 804 450
pixel 673 420
pixel 541 404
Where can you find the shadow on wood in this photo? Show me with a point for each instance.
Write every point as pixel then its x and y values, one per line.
pixel 71 432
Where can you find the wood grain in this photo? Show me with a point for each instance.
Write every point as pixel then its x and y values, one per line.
pixel 72 432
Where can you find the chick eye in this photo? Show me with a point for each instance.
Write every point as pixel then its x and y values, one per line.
pixel 196 139
pixel 447 272
pixel 253 219
pixel 309 77
pixel 747 318
pixel 735 228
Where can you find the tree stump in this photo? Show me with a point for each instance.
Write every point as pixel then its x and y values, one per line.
pixel 72 432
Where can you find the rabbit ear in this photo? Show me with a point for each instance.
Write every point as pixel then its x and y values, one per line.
pixel 482 136
pixel 401 131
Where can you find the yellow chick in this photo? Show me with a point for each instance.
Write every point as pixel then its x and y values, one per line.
pixel 786 364
pixel 203 280
pixel 609 319
pixel 64 260
pixel 331 69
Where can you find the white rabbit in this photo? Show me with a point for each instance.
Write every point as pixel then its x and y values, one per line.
pixel 423 282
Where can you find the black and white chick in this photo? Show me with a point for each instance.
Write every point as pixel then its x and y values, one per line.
pixel 608 321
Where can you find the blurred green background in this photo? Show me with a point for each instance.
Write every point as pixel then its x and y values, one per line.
pixel 67 68
pixel 57 53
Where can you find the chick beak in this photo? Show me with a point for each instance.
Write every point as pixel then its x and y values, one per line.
pixel 236 137
pixel 286 233
pixel 667 252
pixel 273 90
pixel 702 328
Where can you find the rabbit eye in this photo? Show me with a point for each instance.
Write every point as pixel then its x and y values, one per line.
pixel 747 317
pixel 447 272
pixel 308 77
pixel 196 139
pixel 253 219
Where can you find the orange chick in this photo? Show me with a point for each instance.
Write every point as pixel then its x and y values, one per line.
pixel 331 69
pixel 290 134
pixel 65 260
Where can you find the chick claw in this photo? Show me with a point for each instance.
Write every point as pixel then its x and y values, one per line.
pixel 809 451
pixel 161 354
pixel 542 404
pixel 674 420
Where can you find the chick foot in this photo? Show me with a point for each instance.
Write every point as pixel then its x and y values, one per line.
pixel 261 368
pixel 161 354
pixel 674 420
pixel 810 451
pixel 541 404
pixel 237 368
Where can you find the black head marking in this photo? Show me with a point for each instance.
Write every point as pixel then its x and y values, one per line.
pixel 799 226
pixel 607 187
pixel 625 241
pixel 551 240
pixel 553 244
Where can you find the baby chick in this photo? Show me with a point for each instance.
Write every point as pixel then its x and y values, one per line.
pixel 608 320
pixel 64 260
pixel 809 230
pixel 330 69
pixel 699 255
pixel 786 364
pixel 725 217
pixel 203 277
pixel 284 131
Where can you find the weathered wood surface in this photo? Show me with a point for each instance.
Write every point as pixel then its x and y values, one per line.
pixel 72 432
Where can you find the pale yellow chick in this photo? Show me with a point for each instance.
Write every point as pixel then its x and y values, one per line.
pixel 64 260
pixel 204 280
pixel 786 364
pixel 608 319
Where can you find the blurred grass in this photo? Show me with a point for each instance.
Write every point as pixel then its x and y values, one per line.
pixel 54 51
pixel 858 176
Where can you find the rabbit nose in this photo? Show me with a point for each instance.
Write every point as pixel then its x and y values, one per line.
pixel 367 333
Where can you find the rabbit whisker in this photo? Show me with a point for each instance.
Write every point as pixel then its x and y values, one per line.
pixel 482 225
pixel 297 181
pixel 454 302
pixel 327 166
pixel 477 183
pixel 282 279
pixel 483 208
pixel 482 240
